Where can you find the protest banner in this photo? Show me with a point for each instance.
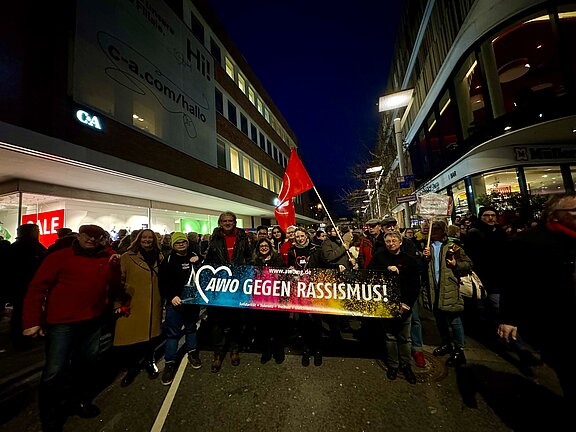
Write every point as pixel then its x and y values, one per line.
pixel 360 293
pixel 433 205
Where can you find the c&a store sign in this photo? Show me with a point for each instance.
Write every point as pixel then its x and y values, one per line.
pixel 48 222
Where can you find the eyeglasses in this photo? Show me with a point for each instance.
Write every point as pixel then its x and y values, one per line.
pixel 180 242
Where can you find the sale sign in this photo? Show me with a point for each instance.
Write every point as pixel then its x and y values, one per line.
pixel 48 222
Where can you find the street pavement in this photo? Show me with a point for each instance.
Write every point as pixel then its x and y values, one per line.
pixel 348 392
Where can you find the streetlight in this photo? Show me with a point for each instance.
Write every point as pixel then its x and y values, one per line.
pixel 371 170
pixel 392 102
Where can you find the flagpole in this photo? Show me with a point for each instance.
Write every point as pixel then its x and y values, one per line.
pixel 332 221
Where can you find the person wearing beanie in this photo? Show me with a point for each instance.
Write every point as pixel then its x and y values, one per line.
pixel 484 239
pixel 173 275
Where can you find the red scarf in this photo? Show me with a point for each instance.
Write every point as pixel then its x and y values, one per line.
pixel 555 226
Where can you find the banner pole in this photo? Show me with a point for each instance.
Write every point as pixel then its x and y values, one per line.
pixel 331 221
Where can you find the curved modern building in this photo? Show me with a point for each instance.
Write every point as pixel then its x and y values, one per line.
pixel 494 102
pixel 132 114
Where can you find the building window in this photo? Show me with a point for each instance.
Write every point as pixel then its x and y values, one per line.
pixel 229 68
pixel 246 168
pixel 243 123
pixel 261 141
pixel 234 162
pixel 256 172
pixel 264 178
pixel 197 28
pixel 267 115
pixel 470 95
pixel 260 106
pixel 251 95
pixel 242 83
pixel 269 148
pixel 215 51
pixel 232 113
pixel 275 154
pixel 544 180
pixel 219 101
pixel 529 71
pixel 253 133
pixel 221 155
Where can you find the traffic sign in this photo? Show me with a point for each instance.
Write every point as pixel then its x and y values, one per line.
pixel 406 198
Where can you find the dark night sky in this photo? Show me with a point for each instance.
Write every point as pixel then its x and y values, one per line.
pixel 324 64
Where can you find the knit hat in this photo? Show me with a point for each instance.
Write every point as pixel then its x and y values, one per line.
pixel 485 209
pixel 178 236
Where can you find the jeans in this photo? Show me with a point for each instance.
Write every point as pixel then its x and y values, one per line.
pixel 416 329
pixel 71 355
pixel 446 321
pixel 176 317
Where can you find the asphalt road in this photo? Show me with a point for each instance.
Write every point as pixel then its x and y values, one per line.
pixel 349 392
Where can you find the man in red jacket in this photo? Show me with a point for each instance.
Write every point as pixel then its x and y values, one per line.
pixel 65 302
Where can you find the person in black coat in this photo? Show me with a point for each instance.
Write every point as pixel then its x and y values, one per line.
pixel 24 258
pixel 228 245
pixel 173 274
pixel 404 269
pixel 272 324
pixel 538 296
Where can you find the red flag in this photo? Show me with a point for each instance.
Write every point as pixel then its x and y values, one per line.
pixel 285 214
pixel 296 179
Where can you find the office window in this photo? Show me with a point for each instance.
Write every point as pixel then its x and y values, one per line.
pixel 264 178
pixel 232 113
pixel 246 168
pixel 275 152
pixel 256 172
pixel 260 106
pixel 197 28
pixel 234 161
pixel 251 95
pixel 221 155
pixel 242 83
pixel 215 51
pixel 229 68
pixel 267 114
pixel 219 101
pixel 243 123
pixel 269 148
pixel 261 141
pixel 253 133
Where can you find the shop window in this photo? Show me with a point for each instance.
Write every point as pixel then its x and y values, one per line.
pixel 544 180
pixel 529 70
pixel 470 97
pixel 460 199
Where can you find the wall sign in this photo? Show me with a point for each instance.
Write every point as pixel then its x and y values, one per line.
pixel 88 119
pixel 48 222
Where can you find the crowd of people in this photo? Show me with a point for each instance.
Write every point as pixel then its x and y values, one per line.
pixel 66 292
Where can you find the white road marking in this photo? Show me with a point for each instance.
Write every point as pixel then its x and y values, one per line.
pixel 165 408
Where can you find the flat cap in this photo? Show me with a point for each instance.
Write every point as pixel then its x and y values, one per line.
pixel 92 231
pixel 389 221
pixel 373 222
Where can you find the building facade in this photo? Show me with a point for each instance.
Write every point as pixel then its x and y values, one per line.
pixel 132 114
pixel 493 111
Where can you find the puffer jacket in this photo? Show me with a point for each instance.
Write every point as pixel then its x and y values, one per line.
pixel 445 295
